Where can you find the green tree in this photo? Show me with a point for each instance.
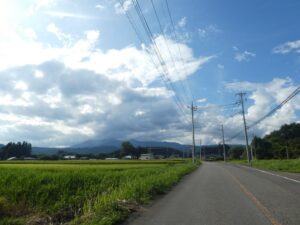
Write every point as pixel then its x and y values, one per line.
pixel 127 149
pixel 15 150
pixel 262 148
pixel 285 141
pixel 236 152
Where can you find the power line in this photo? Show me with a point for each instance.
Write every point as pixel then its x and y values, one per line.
pixel 292 95
pixel 149 34
pixel 168 47
pixel 156 50
pixel 178 46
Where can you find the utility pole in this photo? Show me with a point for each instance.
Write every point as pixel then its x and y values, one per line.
pixel 193 108
pixel 224 149
pixel 245 125
pixel 200 157
pixel 251 148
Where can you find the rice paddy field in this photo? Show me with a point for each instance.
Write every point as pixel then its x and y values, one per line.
pixel 82 192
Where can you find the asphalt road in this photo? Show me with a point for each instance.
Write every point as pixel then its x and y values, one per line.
pixel 219 193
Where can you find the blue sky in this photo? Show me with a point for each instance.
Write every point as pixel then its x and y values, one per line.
pixel 75 70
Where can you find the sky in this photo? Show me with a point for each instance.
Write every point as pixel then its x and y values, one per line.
pixel 74 70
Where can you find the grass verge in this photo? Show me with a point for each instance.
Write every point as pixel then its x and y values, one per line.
pixel 291 165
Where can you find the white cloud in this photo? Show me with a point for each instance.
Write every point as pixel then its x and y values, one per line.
pixel 201 100
pixel 100 7
pixel 139 113
pixel 266 96
pixel 287 47
pixel 38 4
pixel 65 38
pixel 38 74
pixel 63 94
pixel 242 55
pixel 207 30
pixel 62 15
pixel 20 85
pixel 121 9
pixel 29 33
pixel 182 22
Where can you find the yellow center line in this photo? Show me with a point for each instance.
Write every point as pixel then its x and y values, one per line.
pixel 259 205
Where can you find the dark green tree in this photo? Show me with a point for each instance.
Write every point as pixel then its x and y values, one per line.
pixel 18 150
pixel 127 149
pixel 285 141
pixel 236 152
pixel 262 148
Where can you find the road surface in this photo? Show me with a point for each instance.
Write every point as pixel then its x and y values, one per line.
pixel 222 193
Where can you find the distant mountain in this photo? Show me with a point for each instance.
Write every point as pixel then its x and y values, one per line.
pixel 111 145
pixel 92 150
pixel 97 143
pixel 117 144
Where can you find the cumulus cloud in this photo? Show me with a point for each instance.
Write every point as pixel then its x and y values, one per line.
pixel 261 98
pixel 265 96
pixel 290 46
pixel 65 38
pixel 54 95
pixel 78 104
pixel 242 55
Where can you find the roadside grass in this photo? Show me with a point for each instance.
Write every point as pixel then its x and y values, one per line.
pixel 80 192
pixel 291 165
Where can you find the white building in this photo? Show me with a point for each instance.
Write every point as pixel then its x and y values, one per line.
pixel 128 157
pixel 70 157
pixel 147 156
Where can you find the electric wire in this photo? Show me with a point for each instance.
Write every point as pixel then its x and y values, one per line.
pixel 149 34
pixel 169 50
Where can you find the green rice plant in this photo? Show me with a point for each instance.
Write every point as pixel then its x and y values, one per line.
pixel 82 193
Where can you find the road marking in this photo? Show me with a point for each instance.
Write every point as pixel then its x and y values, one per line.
pixel 264 210
pixel 273 174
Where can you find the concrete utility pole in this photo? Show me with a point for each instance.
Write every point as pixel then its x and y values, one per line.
pixel 200 157
pixel 245 126
pixel 251 148
pixel 193 108
pixel 224 149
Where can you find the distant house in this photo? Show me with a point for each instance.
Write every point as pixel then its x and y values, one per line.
pixel 147 156
pixel 12 158
pixel 128 157
pixel 111 158
pixel 70 157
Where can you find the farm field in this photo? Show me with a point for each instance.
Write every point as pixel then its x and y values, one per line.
pixel 82 192
pixel 291 165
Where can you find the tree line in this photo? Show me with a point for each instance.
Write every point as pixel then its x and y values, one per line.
pixel 279 144
pixel 18 150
